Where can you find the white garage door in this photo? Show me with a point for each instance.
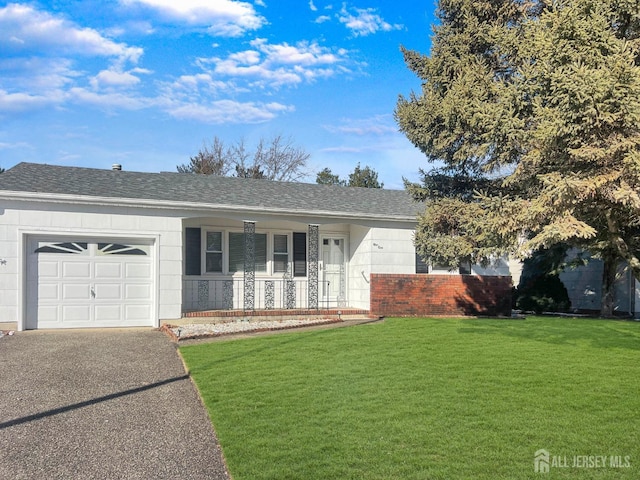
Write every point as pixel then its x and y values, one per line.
pixel 76 283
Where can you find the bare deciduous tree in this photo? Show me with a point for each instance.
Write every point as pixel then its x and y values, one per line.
pixel 276 159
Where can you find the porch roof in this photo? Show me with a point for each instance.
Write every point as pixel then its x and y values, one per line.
pixel 43 182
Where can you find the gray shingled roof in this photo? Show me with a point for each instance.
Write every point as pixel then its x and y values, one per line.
pixel 251 194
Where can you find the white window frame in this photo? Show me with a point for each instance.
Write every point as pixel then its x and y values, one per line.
pixel 203 261
pixel 270 251
pixel 289 235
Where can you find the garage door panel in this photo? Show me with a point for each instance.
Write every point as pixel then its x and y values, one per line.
pixel 79 313
pixel 48 314
pixel 49 291
pixel 75 291
pixel 71 284
pixel 76 270
pixel 108 313
pixel 137 292
pixel 136 313
pixel 108 270
pixel 108 291
pixel 47 270
pixel 137 270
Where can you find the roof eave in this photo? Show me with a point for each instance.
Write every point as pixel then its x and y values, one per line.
pixel 192 206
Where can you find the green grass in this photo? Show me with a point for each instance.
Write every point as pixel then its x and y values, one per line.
pixel 425 399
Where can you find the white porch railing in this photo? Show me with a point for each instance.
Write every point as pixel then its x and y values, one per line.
pixel 270 294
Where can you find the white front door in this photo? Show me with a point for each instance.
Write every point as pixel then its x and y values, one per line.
pixel 334 281
pixel 72 282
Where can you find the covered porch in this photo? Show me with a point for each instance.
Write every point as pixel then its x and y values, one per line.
pixel 260 269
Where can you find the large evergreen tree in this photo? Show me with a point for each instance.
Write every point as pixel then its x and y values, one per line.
pixel 327 177
pixel 365 177
pixel 214 160
pixel 543 97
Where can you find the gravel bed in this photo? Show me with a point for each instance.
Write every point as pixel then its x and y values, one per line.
pixel 195 330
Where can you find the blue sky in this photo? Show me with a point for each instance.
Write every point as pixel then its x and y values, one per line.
pixel 145 83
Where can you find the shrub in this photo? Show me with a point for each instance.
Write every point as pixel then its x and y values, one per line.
pixel 545 293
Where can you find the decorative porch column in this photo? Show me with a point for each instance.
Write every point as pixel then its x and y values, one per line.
pixel 249 265
pixel 312 265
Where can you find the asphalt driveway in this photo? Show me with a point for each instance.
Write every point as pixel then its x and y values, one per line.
pixel 101 404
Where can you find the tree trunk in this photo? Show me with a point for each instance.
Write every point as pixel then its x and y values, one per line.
pixel 609 271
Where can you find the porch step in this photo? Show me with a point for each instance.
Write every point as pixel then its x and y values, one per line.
pixel 223 316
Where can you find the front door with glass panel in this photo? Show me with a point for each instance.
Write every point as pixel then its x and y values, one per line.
pixel 334 282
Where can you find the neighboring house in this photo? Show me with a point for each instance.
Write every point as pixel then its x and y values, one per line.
pixel 89 247
pixel 584 286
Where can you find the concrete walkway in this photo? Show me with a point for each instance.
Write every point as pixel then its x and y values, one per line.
pixel 101 404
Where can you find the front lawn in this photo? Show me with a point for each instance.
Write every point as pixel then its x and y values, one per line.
pixel 427 399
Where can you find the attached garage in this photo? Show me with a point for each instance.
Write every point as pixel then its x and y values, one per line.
pixel 89 282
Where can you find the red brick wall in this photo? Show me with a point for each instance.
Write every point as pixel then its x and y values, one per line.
pixel 423 295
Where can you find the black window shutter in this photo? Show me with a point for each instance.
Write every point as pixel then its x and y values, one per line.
pixel 193 250
pixel 421 266
pixel 299 254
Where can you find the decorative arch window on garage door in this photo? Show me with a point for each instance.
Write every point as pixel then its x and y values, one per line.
pixel 63 247
pixel 120 249
pixel 104 248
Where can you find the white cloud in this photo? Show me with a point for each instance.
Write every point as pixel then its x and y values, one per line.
pixel 52 63
pixel 345 149
pixel 377 125
pixel 36 74
pixel 64 157
pixel 109 100
pixel 142 27
pixel 20 102
pixel 322 19
pixel 39 72
pixel 34 83
pixel 276 65
pixel 364 21
pixel 228 111
pixel 26 30
pixel 113 78
pixel 303 54
pixel 248 57
pixel 226 18
pixel 11 146
pixel 116 78
pixel 312 6
pixel 197 88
